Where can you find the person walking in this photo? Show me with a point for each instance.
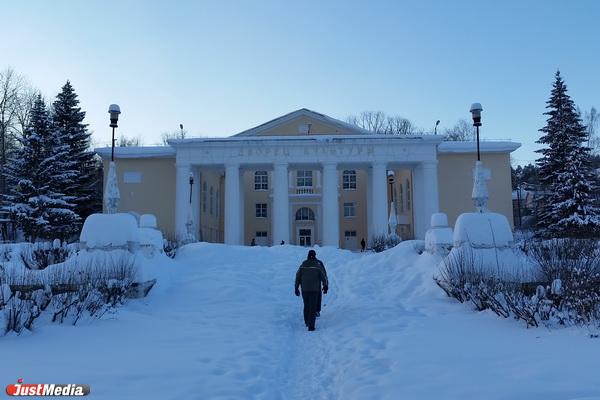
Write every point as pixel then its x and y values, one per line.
pixel 363 245
pixel 310 277
pixel 320 296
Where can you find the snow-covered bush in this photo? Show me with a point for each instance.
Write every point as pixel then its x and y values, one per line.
pixel 40 255
pixel 65 293
pixel 170 247
pixel 380 243
pixel 566 290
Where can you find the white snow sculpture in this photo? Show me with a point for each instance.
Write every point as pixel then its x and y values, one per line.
pixel 111 192
pixel 439 239
pixel 148 221
pixel 110 232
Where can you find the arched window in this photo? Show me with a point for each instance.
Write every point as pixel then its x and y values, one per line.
pixel 204 196
pixel 305 214
pixel 261 180
pixel 212 201
pixel 349 179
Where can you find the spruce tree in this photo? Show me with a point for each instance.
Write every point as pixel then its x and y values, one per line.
pixel 37 177
pixel 68 119
pixel 568 206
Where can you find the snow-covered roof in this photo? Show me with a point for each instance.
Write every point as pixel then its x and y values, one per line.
pixel 305 112
pixel 138 152
pixel 355 138
pixel 484 147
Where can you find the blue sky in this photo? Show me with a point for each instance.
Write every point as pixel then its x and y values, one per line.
pixel 221 67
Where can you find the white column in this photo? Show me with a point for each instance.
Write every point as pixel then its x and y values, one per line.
pixel 369 173
pixel 281 204
pixel 196 210
pixel 182 199
pixel 242 223
pixel 232 204
pixel 379 196
pixel 331 212
pixel 425 196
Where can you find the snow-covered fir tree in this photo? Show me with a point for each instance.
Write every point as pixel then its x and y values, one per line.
pixel 569 208
pixel 68 119
pixel 37 176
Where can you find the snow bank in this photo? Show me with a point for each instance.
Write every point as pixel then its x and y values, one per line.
pixel 482 231
pixel 110 231
pixel 148 221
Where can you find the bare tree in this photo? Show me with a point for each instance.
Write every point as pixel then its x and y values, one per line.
pixel 462 131
pixel 591 119
pixel 379 122
pixel 179 134
pixel 11 86
pixel 125 141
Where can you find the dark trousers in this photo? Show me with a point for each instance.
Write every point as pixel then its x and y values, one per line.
pixel 310 307
pixel 319 298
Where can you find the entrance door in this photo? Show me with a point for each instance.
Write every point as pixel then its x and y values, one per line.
pixel 305 237
pixel 350 242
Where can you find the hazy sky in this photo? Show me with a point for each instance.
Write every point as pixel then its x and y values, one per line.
pixel 221 67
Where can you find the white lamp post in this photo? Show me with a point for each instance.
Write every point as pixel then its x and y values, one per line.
pixel 111 192
pixel 190 218
pixel 393 219
pixel 480 174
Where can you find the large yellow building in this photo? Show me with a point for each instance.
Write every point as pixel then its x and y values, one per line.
pixel 306 178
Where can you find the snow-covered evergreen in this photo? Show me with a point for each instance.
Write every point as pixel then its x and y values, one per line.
pixel 569 208
pixel 38 178
pixel 68 119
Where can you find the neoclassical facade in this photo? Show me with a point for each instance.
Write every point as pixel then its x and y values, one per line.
pixel 306 178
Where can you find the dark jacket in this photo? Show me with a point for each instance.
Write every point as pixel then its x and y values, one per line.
pixel 310 275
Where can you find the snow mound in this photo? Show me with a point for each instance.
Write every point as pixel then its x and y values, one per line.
pixel 148 221
pixel 482 231
pixel 110 231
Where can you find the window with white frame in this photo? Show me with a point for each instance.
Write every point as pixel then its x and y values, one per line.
pixel 261 210
pixel 408 195
pixel 349 179
pixel 261 234
pixel 217 203
pixel 204 196
pixel 261 180
pixel 349 210
pixel 304 178
pixel 305 214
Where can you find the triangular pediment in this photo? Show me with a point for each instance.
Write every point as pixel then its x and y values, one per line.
pixel 304 122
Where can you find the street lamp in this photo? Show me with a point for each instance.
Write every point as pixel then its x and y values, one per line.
pixel 111 192
pixel 476 110
pixel 114 112
pixel 190 219
pixel 435 127
pixel 390 176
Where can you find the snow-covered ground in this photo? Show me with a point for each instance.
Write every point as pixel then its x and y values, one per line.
pixel 223 322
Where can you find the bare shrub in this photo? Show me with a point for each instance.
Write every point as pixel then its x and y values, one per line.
pixel 380 243
pixel 567 290
pixel 41 255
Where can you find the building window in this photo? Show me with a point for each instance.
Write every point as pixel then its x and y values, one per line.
pixel 261 234
pixel 349 210
pixel 261 180
pixel 212 201
pixel 217 203
pixel 304 178
pixel 204 196
pixel 401 199
pixel 349 179
pixel 408 196
pixel 305 214
pixel 350 233
pixel 261 210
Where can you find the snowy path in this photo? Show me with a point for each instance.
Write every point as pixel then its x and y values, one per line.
pixel 226 325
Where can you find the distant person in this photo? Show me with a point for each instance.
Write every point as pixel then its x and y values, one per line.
pixel 310 277
pixel 282 242
pixel 363 245
pixel 253 242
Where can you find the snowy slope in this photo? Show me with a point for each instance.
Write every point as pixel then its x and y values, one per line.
pixel 227 325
